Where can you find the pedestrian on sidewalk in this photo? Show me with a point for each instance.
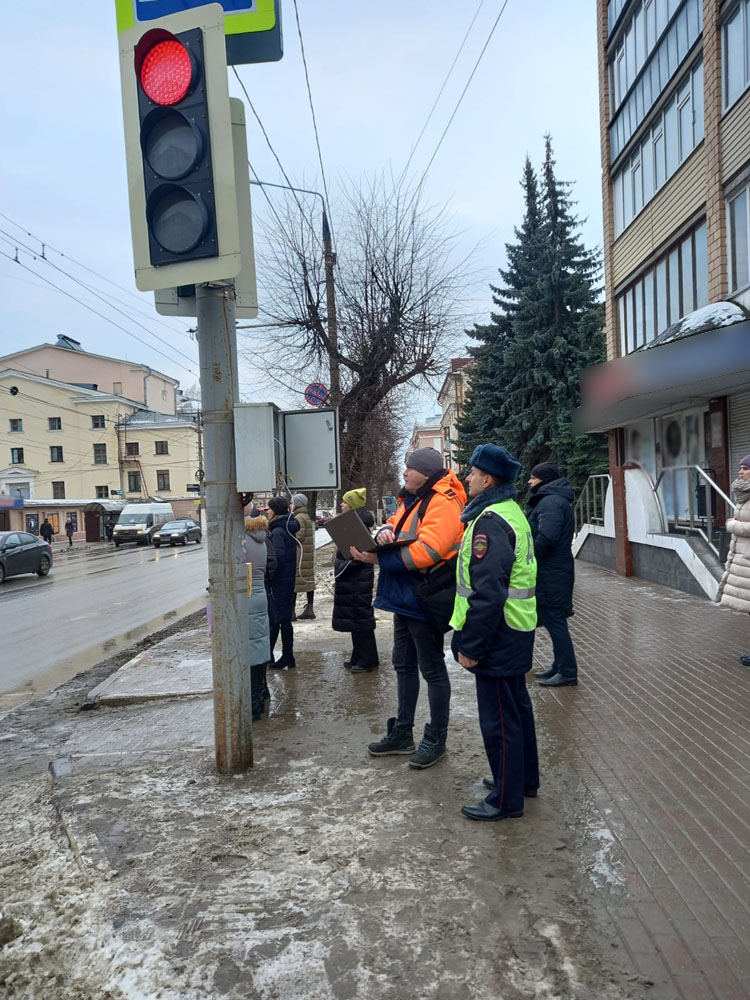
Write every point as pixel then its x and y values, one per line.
pixel 352 594
pixel 426 529
pixel 494 620
pixel 284 527
pixel 69 531
pixel 109 528
pixel 734 589
pixel 47 531
pixel 552 523
pixel 305 579
pixel 256 556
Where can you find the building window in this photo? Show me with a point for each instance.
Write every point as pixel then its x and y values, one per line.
pixel 641 69
pixel 54 519
pixel 134 482
pixel 162 480
pixel 54 423
pixel 117 388
pixel 16 456
pixel 102 492
pixel 58 491
pixel 56 453
pixel 131 449
pixel 674 135
pixel 100 454
pixel 674 286
pixel 739 243
pixel 72 516
pixel 97 420
pixel 162 447
pixel 16 425
pixel 737 53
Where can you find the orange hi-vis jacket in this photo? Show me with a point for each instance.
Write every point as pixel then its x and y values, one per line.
pixel 437 536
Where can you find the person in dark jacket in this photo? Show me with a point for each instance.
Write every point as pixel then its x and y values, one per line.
pixel 284 526
pixel 69 531
pixel 47 531
pixel 494 618
pixel 352 595
pixel 552 523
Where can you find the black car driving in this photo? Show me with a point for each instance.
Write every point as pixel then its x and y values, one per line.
pixel 177 533
pixel 22 552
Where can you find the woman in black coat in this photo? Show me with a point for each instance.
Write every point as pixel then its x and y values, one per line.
pixel 283 526
pixel 552 524
pixel 352 595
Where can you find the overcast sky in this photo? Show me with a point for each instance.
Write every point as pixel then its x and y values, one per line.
pixel 375 71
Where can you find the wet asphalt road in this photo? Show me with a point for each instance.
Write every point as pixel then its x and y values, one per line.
pixel 89 606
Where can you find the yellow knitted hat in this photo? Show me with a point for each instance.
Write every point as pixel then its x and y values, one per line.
pixel 356 498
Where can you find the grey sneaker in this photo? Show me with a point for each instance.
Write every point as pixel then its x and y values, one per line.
pixel 430 750
pixel 398 739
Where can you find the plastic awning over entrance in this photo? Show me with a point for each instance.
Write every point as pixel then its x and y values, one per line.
pixel 669 376
pixel 104 507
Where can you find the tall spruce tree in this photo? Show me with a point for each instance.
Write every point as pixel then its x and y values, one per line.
pixel 549 329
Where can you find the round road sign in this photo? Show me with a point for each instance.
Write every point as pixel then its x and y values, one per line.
pixel 316 394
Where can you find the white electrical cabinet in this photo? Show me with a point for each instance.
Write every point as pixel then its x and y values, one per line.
pixel 296 449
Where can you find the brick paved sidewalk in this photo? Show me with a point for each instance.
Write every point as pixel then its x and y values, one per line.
pixel 658 732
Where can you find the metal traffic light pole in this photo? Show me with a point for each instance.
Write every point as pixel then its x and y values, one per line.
pixel 227 573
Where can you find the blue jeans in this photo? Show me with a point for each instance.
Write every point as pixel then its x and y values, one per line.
pixel 418 648
pixel 554 620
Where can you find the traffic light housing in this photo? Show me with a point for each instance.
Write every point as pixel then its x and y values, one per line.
pixel 180 158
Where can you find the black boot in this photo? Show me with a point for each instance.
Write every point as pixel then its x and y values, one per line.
pixel 431 749
pixel 266 692
pixel 398 739
pixel 287 647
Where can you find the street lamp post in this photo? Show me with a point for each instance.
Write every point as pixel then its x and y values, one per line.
pixel 334 393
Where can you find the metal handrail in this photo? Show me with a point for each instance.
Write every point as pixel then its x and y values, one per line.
pixel 693 523
pixel 593 495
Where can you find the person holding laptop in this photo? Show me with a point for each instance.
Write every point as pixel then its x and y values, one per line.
pixel 352 595
pixel 427 530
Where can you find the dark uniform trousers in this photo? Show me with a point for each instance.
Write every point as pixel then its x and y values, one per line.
pixel 506 718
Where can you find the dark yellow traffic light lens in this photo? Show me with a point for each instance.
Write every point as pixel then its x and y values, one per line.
pixel 171 144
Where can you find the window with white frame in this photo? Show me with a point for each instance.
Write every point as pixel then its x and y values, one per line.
pixel 738 212
pixel 736 38
pixel 675 285
pixel 650 52
pixel 676 132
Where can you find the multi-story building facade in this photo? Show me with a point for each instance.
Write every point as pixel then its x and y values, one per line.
pixel 67 451
pixel 428 434
pixel 674 78
pixel 452 398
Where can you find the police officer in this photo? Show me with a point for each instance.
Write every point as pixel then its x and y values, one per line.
pixel 494 618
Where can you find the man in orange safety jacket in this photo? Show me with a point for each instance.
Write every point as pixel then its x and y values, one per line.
pixel 417 550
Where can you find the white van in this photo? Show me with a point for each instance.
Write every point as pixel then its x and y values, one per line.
pixel 138 522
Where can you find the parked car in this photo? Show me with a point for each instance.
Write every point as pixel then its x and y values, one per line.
pixel 22 552
pixel 177 533
pixel 322 518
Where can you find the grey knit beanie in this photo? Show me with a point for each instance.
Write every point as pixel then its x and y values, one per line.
pixel 428 461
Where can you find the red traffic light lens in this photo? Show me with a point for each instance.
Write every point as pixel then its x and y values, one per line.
pixel 167 72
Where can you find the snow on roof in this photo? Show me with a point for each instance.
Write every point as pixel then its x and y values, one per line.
pixel 710 317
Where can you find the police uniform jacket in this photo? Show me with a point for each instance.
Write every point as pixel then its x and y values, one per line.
pixel 552 523
pixel 485 636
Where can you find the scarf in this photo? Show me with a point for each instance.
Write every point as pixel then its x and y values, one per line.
pixel 495 494
pixel 741 490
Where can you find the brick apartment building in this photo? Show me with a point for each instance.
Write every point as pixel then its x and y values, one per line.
pixel 674 395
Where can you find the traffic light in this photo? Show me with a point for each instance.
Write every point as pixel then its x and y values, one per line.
pixel 178 138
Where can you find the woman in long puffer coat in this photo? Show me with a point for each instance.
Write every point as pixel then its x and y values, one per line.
pixel 352 596
pixel 734 589
pixel 284 527
pixel 256 555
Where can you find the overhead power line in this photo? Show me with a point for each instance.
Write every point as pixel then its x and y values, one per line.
pixel 314 121
pixel 440 93
pixel 463 94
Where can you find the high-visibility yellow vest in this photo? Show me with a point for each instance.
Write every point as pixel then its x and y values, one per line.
pixel 520 606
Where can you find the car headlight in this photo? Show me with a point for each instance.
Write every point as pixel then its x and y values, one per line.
pixel 139 532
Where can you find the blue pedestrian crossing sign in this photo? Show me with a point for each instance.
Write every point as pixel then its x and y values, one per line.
pixel 252 27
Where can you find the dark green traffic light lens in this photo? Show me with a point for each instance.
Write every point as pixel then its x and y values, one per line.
pixel 178 220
